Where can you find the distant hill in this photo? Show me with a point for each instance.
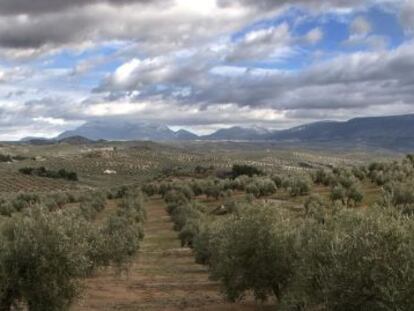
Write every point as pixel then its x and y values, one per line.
pixel 392 132
pixel 76 140
pixel 29 138
pixel 123 131
pixel 185 135
pixel 37 141
pixel 238 134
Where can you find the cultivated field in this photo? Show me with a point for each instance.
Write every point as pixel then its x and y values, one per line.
pixel 203 226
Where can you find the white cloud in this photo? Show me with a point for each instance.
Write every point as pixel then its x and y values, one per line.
pixel 361 34
pixel 360 27
pixel 192 63
pixel 273 42
pixel 314 36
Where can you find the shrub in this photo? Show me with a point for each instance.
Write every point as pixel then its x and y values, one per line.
pixel 189 232
pixel 252 251
pixel 132 207
pixel 150 189
pixel 120 238
pixel 401 197
pixel 323 177
pixel 5 158
pixel 356 262
pixel 278 181
pixel 25 200
pixel 42 257
pixel 260 187
pixel 347 192
pixel 248 170
pixel 299 186
pixel 315 207
pixel 201 244
pixel 43 172
pixel 92 204
pixel 6 208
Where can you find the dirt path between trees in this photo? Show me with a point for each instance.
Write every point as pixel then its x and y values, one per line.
pixel 163 277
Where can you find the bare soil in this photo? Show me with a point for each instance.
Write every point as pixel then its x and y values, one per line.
pixel 163 277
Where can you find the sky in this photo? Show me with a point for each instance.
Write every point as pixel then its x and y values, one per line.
pixel 202 65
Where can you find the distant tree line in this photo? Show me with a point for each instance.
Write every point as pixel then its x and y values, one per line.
pixel 43 172
pixel 10 158
pixel 247 170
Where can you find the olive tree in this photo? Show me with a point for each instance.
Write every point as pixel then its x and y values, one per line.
pixel 252 251
pixel 354 262
pixel 44 255
pixel 42 258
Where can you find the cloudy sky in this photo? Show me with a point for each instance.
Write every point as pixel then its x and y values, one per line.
pixel 202 64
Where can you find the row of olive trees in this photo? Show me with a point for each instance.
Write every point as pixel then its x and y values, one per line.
pixel 45 254
pixel 52 201
pixel 397 171
pixel 258 186
pixel 333 259
pixel 16 203
pixel 351 261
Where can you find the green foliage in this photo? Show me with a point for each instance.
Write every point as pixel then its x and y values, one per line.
pixel 354 262
pixel 187 220
pixel 348 261
pixel 117 193
pixel 213 189
pixel 25 200
pixel 251 251
pixel 132 207
pixel 150 189
pixel 42 257
pixel 400 196
pixel 9 158
pixel 175 199
pixel 92 204
pixel 43 172
pixel 315 207
pixel 299 186
pixel 248 170
pixel 384 173
pixel 5 158
pixel 45 254
pixel 260 187
pixel 202 170
pixel 347 190
pixel 323 177
pixel 410 158
pixel 120 238
pixel 201 243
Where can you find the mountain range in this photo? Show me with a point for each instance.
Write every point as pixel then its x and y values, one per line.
pixel 391 132
pixel 123 131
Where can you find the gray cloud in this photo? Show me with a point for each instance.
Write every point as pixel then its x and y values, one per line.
pixel 196 80
pixel 266 5
pixel 149 23
pixel 407 15
pixel 34 7
pixel 45 25
pixel 346 82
